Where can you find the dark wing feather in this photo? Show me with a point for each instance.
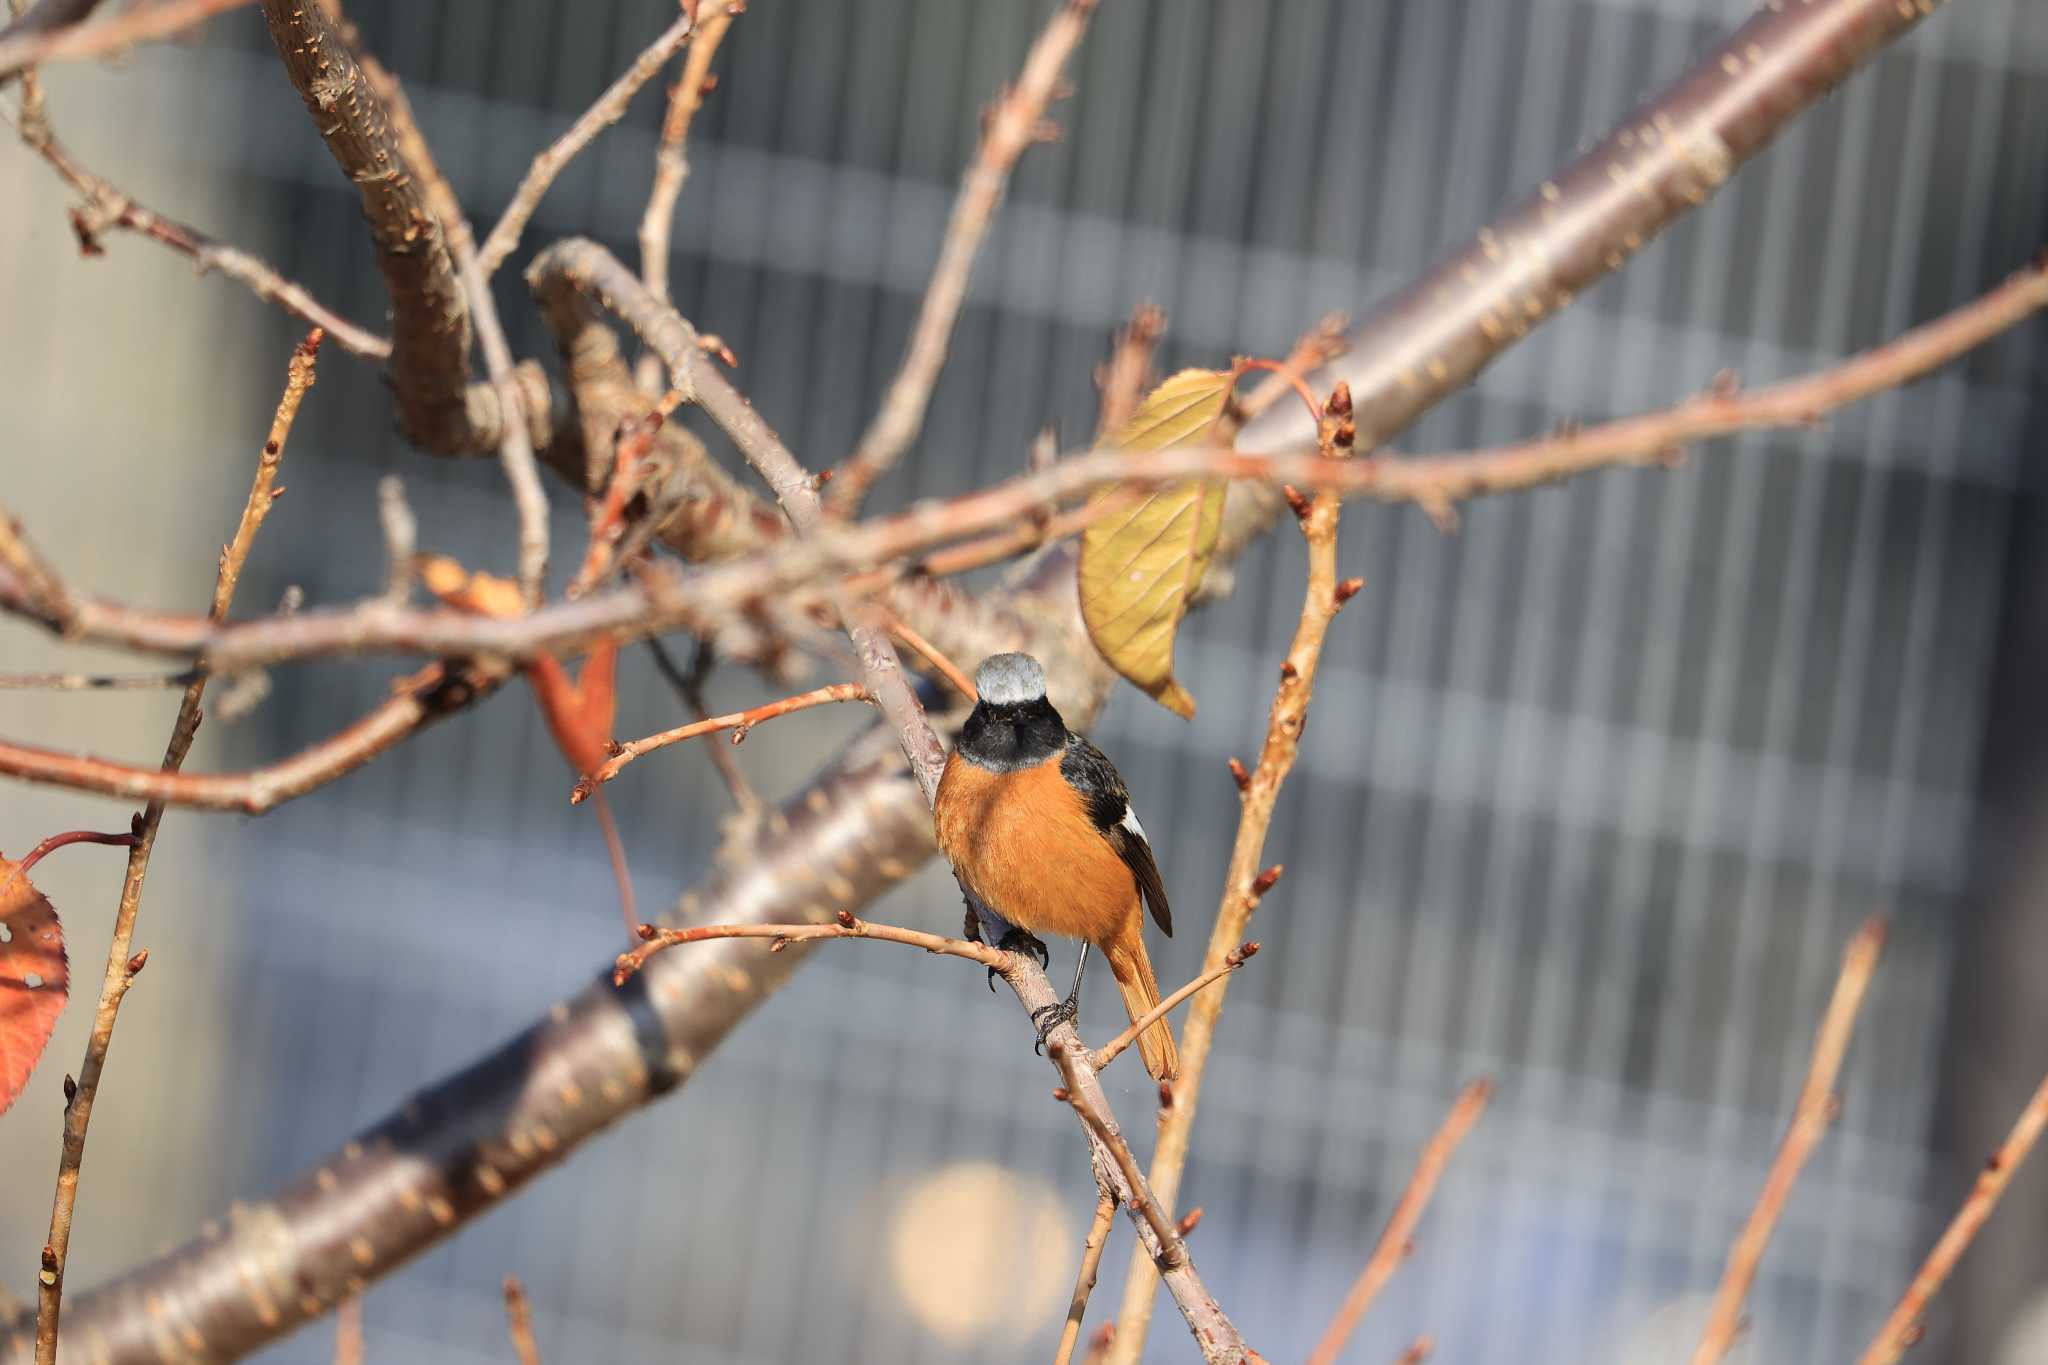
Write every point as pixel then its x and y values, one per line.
pixel 1091 774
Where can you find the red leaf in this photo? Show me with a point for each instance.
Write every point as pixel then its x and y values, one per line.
pixel 35 978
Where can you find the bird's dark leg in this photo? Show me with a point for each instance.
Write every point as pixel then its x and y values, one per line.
pixel 1050 1017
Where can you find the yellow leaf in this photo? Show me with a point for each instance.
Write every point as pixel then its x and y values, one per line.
pixel 1141 564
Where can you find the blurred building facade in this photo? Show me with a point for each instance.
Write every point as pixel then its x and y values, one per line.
pixel 1598 786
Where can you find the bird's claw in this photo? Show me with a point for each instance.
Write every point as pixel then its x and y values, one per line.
pixel 1050 1017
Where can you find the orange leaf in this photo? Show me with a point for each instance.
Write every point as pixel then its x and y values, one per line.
pixel 35 978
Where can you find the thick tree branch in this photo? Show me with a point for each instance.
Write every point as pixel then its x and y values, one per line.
pixel 439 409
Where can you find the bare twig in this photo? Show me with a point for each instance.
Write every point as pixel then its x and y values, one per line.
pixel 515 440
pixel 780 936
pixel 1397 1241
pixel 1810 1118
pixel 121 966
pixel 91 682
pixel 519 1322
pixel 689 688
pixel 1902 1329
pixel 401 540
pixel 69 837
pixel 739 722
pixel 671 165
pixel 107 207
pixel 954 675
pixel 1116 1046
pixel 1417 1351
pixel 348 1331
pixel 1015 123
pixel 1084 1279
pixel 1244 883
pixel 608 109
pixel 28 42
pixel 416 702
pixel 1123 379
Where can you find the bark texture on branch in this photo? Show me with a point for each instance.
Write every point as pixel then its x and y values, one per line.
pixel 439 408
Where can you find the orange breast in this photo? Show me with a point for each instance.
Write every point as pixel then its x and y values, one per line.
pixel 1022 842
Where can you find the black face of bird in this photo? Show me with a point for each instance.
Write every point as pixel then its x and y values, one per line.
pixel 1006 736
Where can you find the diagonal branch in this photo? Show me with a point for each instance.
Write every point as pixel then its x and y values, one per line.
pixel 54 31
pixel 607 110
pixel 439 409
pixel 1014 124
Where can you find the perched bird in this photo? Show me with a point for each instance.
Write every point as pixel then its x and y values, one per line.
pixel 1039 828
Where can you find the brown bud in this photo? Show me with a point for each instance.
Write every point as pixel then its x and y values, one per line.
pixel 778 943
pixel 137 963
pixel 1288 672
pixel 1339 403
pixel 1190 1220
pixel 70 1088
pixel 1296 500
pixel 1247 950
pixel 1166 1094
pixel 648 933
pixel 1242 777
pixel 846 919
pixel 1062 1094
pixel 1348 589
pixel 1266 880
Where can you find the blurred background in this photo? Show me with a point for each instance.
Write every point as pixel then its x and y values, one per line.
pixel 1597 788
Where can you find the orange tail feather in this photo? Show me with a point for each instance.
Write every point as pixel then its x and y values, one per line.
pixel 1140 990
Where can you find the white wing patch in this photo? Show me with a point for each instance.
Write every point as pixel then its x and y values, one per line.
pixel 1130 822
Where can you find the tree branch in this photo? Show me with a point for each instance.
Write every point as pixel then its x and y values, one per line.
pixel 1397 1241
pixel 439 409
pixel 1815 1110
pixel 1015 123
pixel 121 966
pixel 1903 1328
pixel 671 167
pixel 54 31
pixel 739 722
pixel 608 109
pixel 1084 1278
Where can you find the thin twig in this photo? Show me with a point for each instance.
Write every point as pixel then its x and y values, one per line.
pixel 955 675
pixel 608 109
pixel 107 207
pixel 348 1331
pixel 1903 1328
pixel 22 46
pixel 515 440
pixel 1015 123
pixel 1084 1279
pixel 1418 1351
pixel 1244 882
pixel 1123 379
pixel 1397 1242
pixel 92 682
pixel 1115 1047
pixel 1815 1109
pixel 401 540
pixel 121 966
pixel 689 688
pixel 671 164
pixel 781 935
pixel 519 1322
pixel 69 837
pixel 739 722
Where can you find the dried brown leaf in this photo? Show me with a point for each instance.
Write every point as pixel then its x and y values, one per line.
pixel 35 978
